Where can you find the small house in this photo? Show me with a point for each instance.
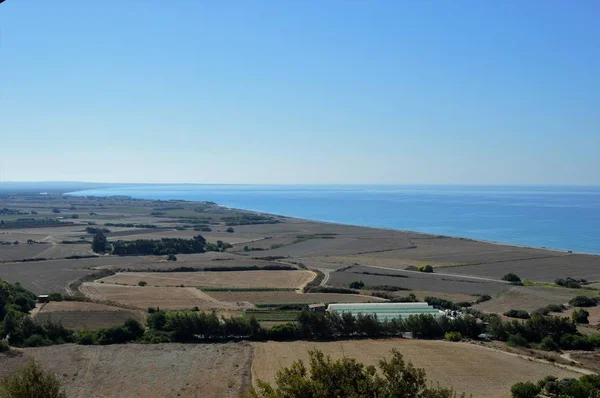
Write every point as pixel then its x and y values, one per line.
pixel 320 307
pixel 43 298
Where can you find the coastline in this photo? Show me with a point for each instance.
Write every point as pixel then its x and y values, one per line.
pixel 406 231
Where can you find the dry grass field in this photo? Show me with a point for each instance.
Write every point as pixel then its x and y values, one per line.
pixel 539 269
pixel 531 298
pixel 277 279
pixel 84 315
pixel 416 281
pixel 468 368
pixel 144 370
pixel 200 261
pixel 291 297
pixel 168 298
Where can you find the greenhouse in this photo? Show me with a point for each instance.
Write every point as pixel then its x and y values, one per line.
pixel 385 311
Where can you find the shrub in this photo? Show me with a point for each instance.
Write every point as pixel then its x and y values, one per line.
pixel 580 316
pixel 31 381
pixel 548 344
pixel 483 298
pixel 4 346
pixel 516 340
pixel 511 278
pixel 453 336
pixel 142 283
pixel 230 230
pixel 521 314
pixel 357 285
pixel 525 390
pixel 582 301
pixel 425 268
pixel 171 257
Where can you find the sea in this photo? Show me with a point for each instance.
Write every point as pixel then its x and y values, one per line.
pixel 556 217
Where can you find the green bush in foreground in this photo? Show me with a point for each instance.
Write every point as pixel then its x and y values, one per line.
pixel 31 381
pixel 347 377
pixel 525 390
pixel 585 387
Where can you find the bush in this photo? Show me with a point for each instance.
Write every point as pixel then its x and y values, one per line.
pixel 511 278
pixel 230 230
pixel 4 346
pixel 582 301
pixel 516 340
pixel 357 285
pixel 171 257
pixel 525 390
pixel 483 298
pixel 142 283
pixel 453 336
pixel 548 344
pixel 580 316
pixel 31 381
pixel 521 314
pixel 425 268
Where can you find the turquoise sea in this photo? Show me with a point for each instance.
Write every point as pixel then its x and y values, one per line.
pixel 566 218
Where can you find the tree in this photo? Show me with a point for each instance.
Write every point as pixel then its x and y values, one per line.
pixel 56 211
pixel 31 381
pixel 357 285
pixel 580 316
pixel 100 243
pixel 347 377
pixel 525 390
pixel 171 257
pixel 230 230
pixel 511 278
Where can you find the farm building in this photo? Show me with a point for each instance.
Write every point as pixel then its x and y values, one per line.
pixel 385 311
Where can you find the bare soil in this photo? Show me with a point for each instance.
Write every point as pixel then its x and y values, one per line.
pixel 465 367
pixel 530 298
pixel 163 297
pixel 290 297
pixel 85 315
pixel 144 370
pixel 279 279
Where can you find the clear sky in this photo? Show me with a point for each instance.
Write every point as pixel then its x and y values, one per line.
pixel 290 91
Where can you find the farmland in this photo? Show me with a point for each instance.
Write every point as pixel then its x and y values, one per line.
pixel 163 297
pixel 159 370
pixel 290 297
pixel 220 279
pixel 250 279
pixel 84 315
pixel 465 367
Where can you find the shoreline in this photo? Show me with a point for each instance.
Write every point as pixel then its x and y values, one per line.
pixel 428 234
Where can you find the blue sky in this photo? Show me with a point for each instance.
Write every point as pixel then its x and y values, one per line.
pixel 477 92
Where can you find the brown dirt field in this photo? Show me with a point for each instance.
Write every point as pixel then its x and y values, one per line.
pixel 200 260
pixel 291 297
pixel 530 298
pixel 541 269
pixel 416 281
pixel 144 370
pixel 169 298
pixel 282 279
pixel 465 367
pixel 84 315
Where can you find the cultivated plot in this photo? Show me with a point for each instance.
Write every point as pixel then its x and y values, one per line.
pixel 468 368
pixel 144 370
pixel 246 279
pixel 84 315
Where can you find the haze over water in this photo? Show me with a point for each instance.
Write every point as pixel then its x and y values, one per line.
pixel 566 218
